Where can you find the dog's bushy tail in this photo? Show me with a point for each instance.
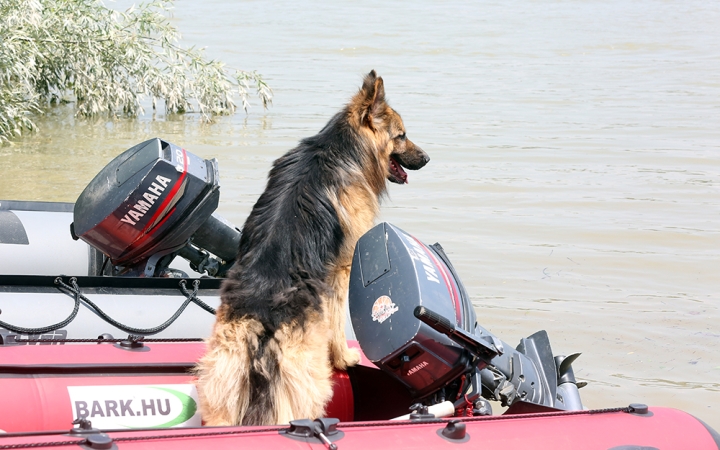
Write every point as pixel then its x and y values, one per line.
pixel 258 372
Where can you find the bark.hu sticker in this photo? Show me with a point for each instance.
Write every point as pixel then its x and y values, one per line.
pixel 136 406
pixel 383 308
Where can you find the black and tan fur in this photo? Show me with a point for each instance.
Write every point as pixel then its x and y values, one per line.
pixel 280 329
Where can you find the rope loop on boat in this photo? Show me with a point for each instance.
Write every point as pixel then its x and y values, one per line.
pixel 193 296
pixel 41 330
pixel 73 290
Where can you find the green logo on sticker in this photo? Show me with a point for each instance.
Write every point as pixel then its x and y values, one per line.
pixel 189 407
pixel 188 404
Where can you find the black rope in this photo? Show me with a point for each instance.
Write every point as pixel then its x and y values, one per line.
pixel 146 331
pixel 201 434
pixel 48 328
pixel 625 409
pixel 146 438
pixel 44 444
pixel 74 290
pixel 181 434
pixel 193 296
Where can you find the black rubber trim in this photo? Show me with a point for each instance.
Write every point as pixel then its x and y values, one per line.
pixel 312 439
pixel 30 289
pixel 96 369
pixel 439 432
pixel 35 433
pixel 108 282
pixel 22 205
pixel 714 434
pixel 12 230
pixel 633 447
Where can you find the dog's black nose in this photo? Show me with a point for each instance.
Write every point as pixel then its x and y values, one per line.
pixel 423 159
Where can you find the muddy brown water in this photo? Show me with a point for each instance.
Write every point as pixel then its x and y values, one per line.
pixel 575 172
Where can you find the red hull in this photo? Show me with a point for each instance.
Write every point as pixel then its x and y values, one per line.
pixel 42 389
pixel 42 379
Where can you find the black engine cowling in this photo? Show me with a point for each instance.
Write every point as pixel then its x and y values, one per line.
pixel 151 202
pixel 393 273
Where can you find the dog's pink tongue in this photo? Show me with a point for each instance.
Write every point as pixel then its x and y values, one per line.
pixel 398 171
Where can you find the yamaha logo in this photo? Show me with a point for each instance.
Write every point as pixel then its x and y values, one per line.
pixel 152 193
pixel 418 368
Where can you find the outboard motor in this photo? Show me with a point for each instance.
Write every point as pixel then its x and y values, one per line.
pixel 151 203
pixel 414 320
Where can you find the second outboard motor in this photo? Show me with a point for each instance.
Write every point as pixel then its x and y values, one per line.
pixel 414 320
pixel 393 273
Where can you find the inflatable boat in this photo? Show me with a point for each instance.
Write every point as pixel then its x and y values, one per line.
pixel 104 304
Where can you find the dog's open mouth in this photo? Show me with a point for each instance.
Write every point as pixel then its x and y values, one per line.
pixel 397 174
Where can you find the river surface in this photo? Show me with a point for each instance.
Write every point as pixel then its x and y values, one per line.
pixel 575 172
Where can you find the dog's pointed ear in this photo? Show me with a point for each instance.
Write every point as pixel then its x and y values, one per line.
pixel 371 99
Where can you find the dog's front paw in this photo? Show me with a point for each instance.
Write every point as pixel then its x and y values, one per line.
pixel 349 358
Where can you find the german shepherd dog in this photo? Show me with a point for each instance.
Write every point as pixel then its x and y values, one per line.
pixel 280 328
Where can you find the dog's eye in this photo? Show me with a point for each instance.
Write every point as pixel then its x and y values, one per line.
pixel 402 137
